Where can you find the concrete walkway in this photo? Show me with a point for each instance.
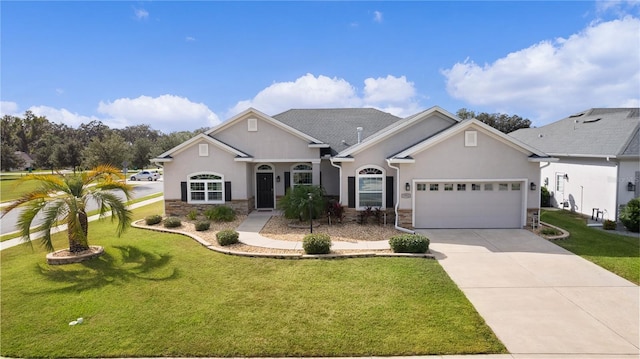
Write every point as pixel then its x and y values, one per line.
pixel 539 298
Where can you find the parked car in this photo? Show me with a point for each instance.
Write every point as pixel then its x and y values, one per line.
pixel 145 175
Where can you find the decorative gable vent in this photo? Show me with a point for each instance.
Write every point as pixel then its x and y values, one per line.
pixel 252 124
pixel 470 138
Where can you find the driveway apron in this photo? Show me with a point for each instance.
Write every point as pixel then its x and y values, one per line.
pixel 538 297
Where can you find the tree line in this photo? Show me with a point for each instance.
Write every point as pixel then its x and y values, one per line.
pixel 57 146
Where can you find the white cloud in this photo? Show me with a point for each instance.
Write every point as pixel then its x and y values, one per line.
pixel 8 108
pixel 598 67
pixel 377 16
pixel 63 115
pixel 391 94
pixel 166 113
pixel 140 14
pixel 190 39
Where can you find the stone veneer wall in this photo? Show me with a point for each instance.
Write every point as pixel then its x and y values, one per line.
pixel 180 208
pixel 530 212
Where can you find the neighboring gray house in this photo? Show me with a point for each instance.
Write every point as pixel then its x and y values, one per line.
pixel 431 169
pixel 598 151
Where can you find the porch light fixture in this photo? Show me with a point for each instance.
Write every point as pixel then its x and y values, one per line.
pixel 631 187
pixel 407 187
pixel 278 179
pixel 566 176
pixel 532 185
pixel 310 213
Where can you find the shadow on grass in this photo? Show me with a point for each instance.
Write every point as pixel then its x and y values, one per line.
pixel 133 264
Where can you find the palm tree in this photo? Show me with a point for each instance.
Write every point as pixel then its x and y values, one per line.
pixel 64 198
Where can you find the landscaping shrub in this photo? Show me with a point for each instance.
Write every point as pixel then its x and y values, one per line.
pixel 548 231
pixel 316 243
pixel 192 215
pixel 545 197
pixel 409 243
pixel 172 222
pixel 295 204
pixel 227 237
pixel 153 219
pixel 335 210
pixel 630 215
pixel 202 225
pixel 609 225
pixel 220 214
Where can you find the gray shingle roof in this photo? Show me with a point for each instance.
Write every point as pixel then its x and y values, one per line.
pixel 594 132
pixel 337 127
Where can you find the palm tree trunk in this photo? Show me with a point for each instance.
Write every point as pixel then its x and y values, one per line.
pixel 79 244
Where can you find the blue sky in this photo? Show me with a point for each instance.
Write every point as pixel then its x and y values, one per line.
pixel 185 65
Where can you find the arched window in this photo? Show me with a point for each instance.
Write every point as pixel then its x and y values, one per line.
pixel 206 188
pixel 301 174
pixel 370 189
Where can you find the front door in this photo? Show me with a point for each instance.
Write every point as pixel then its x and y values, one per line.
pixel 264 190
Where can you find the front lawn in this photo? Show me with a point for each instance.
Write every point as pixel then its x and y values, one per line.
pixel 156 294
pixel 11 188
pixel 616 253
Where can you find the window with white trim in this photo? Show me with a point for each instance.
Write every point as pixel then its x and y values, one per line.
pixel 206 188
pixel 370 188
pixel 301 174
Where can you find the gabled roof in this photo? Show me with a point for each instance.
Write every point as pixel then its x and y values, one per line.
pixel 597 132
pixel 407 154
pixel 337 126
pixel 395 128
pixel 312 140
pixel 168 155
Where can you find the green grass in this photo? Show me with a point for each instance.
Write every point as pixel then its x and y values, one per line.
pixel 9 188
pixel 156 294
pixel 616 253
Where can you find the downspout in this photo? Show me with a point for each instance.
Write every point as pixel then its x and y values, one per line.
pixel 398 200
pixel 539 199
pixel 340 176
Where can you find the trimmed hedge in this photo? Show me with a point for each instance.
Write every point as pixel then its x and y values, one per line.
pixel 609 225
pixel 409 243
pixel 153 219
pixel 220 214
pixel 202 225
pixel 316 243
pixel 172 222
pixel 630 215
pixel 227 237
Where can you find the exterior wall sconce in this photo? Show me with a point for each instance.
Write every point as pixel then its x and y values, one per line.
pixel 631 187
pixel 546 181
pixel 532 185
pixel 278 179
pixel 566 176
pixel 407 187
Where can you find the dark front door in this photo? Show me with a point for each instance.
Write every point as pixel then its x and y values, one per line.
pixel 264 189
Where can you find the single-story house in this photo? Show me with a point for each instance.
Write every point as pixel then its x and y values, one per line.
pixel 430 170
pixel 598 167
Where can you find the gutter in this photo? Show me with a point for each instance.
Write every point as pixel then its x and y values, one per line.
pixel 340 181
pixel 406 230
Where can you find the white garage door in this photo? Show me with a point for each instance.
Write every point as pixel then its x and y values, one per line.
pixel 469 204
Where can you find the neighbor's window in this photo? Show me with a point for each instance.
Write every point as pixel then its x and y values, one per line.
pixel 206 187
pixel 301 174
pixel 370 187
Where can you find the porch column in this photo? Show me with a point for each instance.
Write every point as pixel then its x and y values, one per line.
pixel 315 173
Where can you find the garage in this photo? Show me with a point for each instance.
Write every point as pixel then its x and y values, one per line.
pixel 469 204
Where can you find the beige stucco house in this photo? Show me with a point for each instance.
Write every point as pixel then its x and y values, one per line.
pixel 429 170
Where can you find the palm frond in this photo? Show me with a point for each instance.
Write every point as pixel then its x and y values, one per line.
pixel 108 201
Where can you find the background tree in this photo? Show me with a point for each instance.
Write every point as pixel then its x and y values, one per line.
pixel 112 150
pixel 499 121
pixel 141 153
pixel 72 193
pixel 9 159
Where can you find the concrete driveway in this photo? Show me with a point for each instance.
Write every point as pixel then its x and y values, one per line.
pixel 537 297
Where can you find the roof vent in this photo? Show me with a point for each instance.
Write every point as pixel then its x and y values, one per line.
pixel 577 115
pixel 359 134
pixel 540 135
pixel 592 121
